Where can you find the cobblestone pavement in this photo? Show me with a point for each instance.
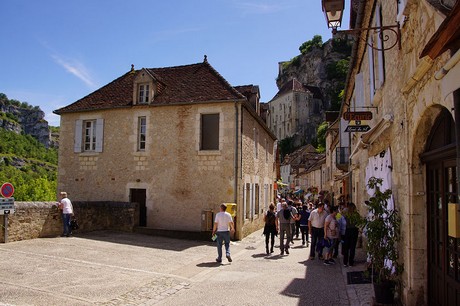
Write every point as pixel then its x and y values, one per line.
pixel 113 268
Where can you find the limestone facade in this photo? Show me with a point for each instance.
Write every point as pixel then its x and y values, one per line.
pixel 399 87
pixel 181 181
pixel 296 110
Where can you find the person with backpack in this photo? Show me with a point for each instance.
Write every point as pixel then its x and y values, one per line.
pixel 283 222
pixel 270 228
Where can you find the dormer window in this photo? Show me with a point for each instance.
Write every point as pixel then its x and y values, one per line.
pixel 143 96
pixel 145 87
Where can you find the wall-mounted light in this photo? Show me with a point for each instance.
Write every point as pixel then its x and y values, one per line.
pixel 333 10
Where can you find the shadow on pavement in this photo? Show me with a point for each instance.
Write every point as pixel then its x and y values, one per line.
pixel 319 285
pixel 210 264
pixel 142 240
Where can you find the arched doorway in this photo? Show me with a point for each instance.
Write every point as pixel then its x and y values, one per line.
pixel 443 251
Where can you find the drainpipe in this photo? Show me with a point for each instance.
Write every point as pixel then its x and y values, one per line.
pixel 457 137
pixel 235 192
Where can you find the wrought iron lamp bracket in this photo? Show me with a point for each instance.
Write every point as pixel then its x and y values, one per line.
pixel 384 33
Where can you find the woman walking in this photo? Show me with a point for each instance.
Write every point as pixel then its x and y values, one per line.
pixel 270 229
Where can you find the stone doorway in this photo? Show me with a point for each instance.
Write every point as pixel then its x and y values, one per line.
pixel 139 196
pixel 443 251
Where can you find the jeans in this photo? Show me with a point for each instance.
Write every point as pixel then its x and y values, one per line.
pixel 304 231
pixel 223 237
pixel 285 229
pixel 66 224
pixel 316 235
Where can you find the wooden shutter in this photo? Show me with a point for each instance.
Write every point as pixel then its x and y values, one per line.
pixel 78 136
pixel 99 134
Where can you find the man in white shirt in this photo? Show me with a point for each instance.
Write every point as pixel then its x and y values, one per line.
pixel 316 229
pixel 223 225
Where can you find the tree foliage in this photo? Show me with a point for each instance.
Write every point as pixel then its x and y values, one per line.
pixel 29 166
pixel 315 42
pixel 286 146
pixel 321 137
pixel 26 146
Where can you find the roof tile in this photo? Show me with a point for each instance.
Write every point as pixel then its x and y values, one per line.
pixel 195 83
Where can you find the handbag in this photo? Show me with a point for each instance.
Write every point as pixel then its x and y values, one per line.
pixel 74 224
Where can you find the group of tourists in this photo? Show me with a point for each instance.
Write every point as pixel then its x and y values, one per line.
pixel 330 228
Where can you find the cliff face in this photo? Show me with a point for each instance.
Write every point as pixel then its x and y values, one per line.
pixel 321 67
pixel 29 121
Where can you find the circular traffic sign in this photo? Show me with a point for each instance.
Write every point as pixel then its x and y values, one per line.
pixel 7 190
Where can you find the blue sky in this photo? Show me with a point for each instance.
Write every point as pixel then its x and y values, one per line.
pixel 55 52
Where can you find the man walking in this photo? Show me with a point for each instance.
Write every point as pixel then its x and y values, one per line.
pixel 223 225
pixel 316 229
pixel 283 223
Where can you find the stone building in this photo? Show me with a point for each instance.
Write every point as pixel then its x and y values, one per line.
pixel 296 110
pixel 410 85
pixel 297 162
pixel 178 140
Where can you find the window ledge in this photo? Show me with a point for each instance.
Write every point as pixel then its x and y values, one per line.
pixel 89 153
pixel 209 152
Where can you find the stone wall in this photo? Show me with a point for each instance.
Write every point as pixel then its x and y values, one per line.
pixel 43 219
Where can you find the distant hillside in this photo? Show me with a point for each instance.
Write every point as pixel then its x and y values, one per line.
pixel 28 156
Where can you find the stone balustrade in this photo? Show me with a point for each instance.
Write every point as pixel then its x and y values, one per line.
pixel 43 219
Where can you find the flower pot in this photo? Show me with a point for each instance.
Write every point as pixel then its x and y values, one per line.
pixel 384 292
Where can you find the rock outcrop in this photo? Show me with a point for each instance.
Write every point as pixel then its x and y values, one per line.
pixel 30 121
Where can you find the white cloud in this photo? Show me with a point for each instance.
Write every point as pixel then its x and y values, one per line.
pixel 259 8
pixel 76 68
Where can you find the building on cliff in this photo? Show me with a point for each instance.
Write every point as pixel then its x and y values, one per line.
pixel 178 140
pixel 296 111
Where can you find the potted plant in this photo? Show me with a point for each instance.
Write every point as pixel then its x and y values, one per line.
pixel 382 227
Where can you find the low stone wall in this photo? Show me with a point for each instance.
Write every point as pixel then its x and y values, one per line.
pixel 43 219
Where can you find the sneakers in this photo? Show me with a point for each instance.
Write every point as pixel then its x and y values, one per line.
pixel 345 265
pixel 229 258
pixel 218 260
pixel 332 261
pixel 327 263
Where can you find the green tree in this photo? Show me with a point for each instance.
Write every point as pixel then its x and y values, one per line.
pixel 286 146
pixel 321 137
pixel 315 42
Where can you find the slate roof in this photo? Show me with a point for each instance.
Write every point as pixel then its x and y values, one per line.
pixel 195 83
pixel 295 86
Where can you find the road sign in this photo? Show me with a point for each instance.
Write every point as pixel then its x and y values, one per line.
pixel 7 190
pixel 6 206
pixel 357 116
pixel 357 128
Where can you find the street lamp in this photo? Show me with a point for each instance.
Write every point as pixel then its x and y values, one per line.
pixel 333 10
